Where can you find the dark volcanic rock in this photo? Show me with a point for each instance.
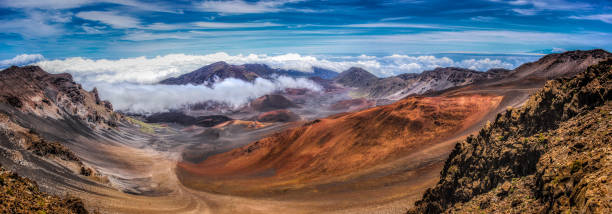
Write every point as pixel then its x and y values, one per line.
pixel 186 120
pixel 555 149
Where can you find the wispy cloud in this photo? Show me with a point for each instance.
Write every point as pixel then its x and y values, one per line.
pixel 36 24
pixel 396 18
pixel 220 25
pixel 243 7
pixel 69 4
pixel 484 19
pixel 111 18
pixel 145 36
pixel 393 25
pixel 533 7
pixel 607 18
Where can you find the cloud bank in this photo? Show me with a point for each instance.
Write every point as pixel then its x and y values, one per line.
pixel 145 70
pixel 144 99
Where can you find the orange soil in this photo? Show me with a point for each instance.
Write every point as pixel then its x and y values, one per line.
pixel 332 149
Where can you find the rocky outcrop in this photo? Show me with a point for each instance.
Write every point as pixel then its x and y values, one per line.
pixel 556 148
pixel 30 89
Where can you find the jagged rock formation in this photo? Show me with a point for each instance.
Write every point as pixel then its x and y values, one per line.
pixel 32 90
pixel 555 150
pixel 21 195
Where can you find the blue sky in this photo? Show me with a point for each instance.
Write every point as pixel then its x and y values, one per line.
pixel 114 29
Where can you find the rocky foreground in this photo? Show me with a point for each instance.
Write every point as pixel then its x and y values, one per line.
pixel 554 154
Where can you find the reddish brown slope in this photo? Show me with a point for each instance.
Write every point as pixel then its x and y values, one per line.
pixel 339 145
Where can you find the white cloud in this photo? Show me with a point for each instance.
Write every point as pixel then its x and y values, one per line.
pixel 234 25
pixel 607 18
pixel 110 18
pixel 243 7
pixel 151 70
pixel 139 98
pixel 23 59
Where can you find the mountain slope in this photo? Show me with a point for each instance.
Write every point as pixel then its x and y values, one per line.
pixel 541 144
pixel 565 64
pixel 397 87
pixel 342 144
pixel 38 113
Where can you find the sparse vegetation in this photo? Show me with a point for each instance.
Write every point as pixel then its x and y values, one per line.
pixel 21 195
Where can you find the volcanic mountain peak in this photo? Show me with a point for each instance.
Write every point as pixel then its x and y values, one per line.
pixel 212 73
pixel 356 77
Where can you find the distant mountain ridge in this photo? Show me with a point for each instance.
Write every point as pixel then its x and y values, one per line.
pixel 399 86
pixel 396 87
pixel 218 71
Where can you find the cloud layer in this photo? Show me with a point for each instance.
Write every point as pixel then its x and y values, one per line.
pixel 138 98
pixel 145 70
